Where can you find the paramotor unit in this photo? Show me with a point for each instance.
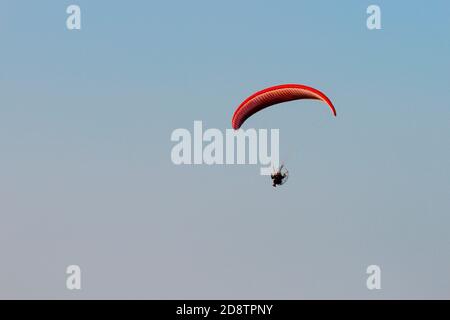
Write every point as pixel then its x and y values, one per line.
pixel 280 176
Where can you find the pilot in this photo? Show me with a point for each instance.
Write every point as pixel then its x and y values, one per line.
pixel 278 178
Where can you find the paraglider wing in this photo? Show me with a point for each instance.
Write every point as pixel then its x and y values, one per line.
pixel 274 95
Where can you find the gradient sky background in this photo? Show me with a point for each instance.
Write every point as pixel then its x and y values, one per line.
pixel 85 170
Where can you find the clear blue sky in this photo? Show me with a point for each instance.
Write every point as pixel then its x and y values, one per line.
pixel 85 170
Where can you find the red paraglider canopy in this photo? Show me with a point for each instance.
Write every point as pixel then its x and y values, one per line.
pixel 274 95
